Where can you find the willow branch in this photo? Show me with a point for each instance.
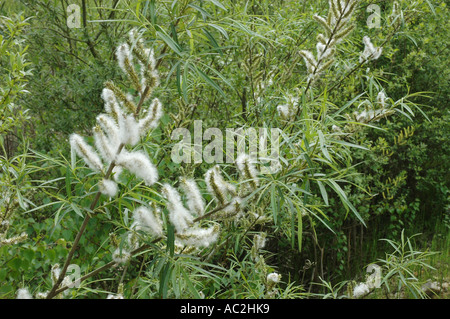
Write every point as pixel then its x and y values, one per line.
pixel 94 202
pixel 140 249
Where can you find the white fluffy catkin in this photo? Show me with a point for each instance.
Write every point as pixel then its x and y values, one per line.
pixel 108 187
pixel 273 278
pixel 148 220
pixel 128 130
pixel 103 145
pixel 199 237
pixel 123 53
pixel 121 256
pixel 179 216
pixel 284 112
pixel 139 164
pixel 370 52
pixel 360 290
pixel 23 293
pixel 111 105
pixel 110 128
pixel 246 167
pixel 195 201
pixel 381 99
pixel 86 152
pixel 233 208
pixel 259 241
pixel 217 186
pixel 151 118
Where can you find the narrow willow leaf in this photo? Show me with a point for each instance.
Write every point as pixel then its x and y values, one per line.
pixel 349 144
pixel 348 104
pixel 323 191
pixel 293 216
pixel 220 29
pixel 169 41
pixel 21 202
pixel 202 11
pixel 323 146
pixel 164 280
pixel 179 80
pixel 174 34
pixel 345 200
pixel 191 287
pixel 273 203
pixel 211 82
pixel 171 239
pixel 431 7
pixel 184 82
pixel 152 11
pixel 213 41
pixel 68 182
pixel 217 3
pixel 299 228
pixel 76 209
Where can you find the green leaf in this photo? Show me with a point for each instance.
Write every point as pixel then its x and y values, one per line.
pixel 174 34
pixel 164 280
pixel 2 274
pixel 299 228
pixel 431 7
pixel 217 3
pixel 202 11
pixel 345 200
pixel 190 285
pixel 68 182
pixel 169 41
pixel 323 147
pixel 126 217
pixel 213 41
pixel 274 203
pixel 210 82
pixel 28 254
pixel 76 209
pixel 15 263
pixel 220 75
pixel 348 104
pixel 152 11
pixel 21 202
pixel 184 82
pixel 171 239
pixel 179 81
pixel 220 29
pixel 293 216
pixel 57 218
pixel 349 144
pixel 323 192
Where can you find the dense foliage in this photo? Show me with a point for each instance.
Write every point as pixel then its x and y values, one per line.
pixel 364 132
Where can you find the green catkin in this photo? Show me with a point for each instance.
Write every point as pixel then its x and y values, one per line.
pixel 129 105
pixel 336 29
pixel 132 75
pixel 324 24
pixel 218 194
